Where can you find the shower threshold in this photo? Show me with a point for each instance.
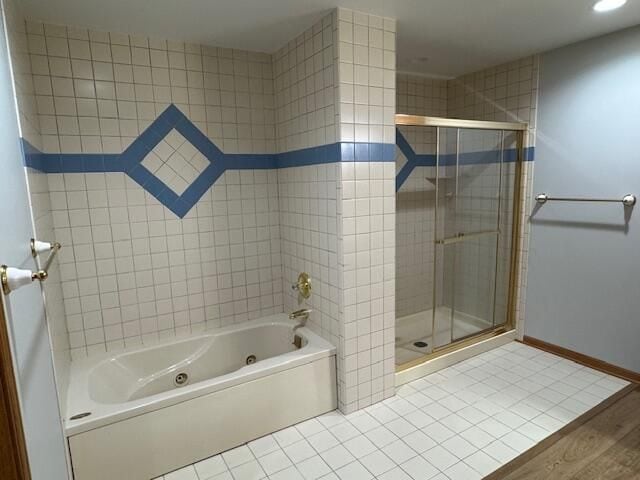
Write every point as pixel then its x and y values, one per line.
pixel 413 332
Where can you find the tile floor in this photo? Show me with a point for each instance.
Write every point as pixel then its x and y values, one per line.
pixel 459 424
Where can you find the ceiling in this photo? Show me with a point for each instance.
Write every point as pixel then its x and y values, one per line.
pixel 455 36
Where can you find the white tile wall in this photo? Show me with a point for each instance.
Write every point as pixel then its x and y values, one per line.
pixel 309 230
pixel 367 63
pixel 306 88
pixel 132 272
pixel 94 92
pixel 367 205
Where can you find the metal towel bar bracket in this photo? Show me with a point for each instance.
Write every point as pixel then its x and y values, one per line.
pixel 628 200
pixel 13 278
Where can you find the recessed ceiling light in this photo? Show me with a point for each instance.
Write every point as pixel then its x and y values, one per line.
pixel 607 5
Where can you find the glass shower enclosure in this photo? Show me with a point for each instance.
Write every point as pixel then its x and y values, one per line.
pixel 465 196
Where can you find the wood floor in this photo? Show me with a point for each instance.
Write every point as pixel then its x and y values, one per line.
pixel 603 444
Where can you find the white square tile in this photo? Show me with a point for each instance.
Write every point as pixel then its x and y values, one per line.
pixel 299 451
pixel 360 446
pixel 337 457
pixel 237 456
pixel 399 451
pixel 377 462
pixel 248 471
pixel 419 469
pixel 274 462
pixel 313 468
pixel 353 471
pixel 210 467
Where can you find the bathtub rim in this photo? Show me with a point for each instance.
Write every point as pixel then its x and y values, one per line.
pixel 79 400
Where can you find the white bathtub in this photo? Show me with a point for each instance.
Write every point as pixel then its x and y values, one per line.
pixel 144 423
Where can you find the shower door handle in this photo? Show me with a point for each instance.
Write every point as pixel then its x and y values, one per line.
pixel 459 237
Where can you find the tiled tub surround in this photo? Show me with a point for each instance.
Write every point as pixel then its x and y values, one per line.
pixel 134 395
pixel 169 259
pixel 458 424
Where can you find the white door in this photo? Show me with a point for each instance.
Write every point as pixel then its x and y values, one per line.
pixel 25 307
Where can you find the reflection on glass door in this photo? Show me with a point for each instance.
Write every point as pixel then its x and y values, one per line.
pixel 470 231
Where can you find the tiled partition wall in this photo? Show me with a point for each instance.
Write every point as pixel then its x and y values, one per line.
pixel 366 202
pixel 177 174
pixel 38 187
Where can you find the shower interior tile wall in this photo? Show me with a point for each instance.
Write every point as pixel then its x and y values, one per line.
pixel 507 92
pixel 415 201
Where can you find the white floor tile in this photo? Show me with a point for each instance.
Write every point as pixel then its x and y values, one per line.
pixel 399 452
pixel 287 436
pixel 323 441
pixel 210 467
pixel 220 476
pixel 299 451
pixel 419 441
pixel 419 469
pixel 377 463
pixel 458 424
pixel 360 446
pixel 381 436
pixel 459 447
pixel 462 471
pixel 354 471
pixel 395 474
pixel 290 473
pixel 500 451
pixel 440 458
pixel 482 463
pixel 337 457
pixel 274 462
pixel 438 432
pixel 313 468
pixel 248 471
pixel 263 445
pixel 237 456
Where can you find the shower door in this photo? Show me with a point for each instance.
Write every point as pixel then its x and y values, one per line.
pixel 473 232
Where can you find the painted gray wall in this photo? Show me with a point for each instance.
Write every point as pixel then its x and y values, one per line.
pixel 25 307
pixel 584 267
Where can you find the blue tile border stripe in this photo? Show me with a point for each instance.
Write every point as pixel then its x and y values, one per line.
pixel 470 158
pixel 129 161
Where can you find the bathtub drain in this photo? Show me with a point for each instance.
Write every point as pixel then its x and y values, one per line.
pixel 251 359
pixel 181 379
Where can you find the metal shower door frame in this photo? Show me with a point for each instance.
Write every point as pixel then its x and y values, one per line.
pixel 521 130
